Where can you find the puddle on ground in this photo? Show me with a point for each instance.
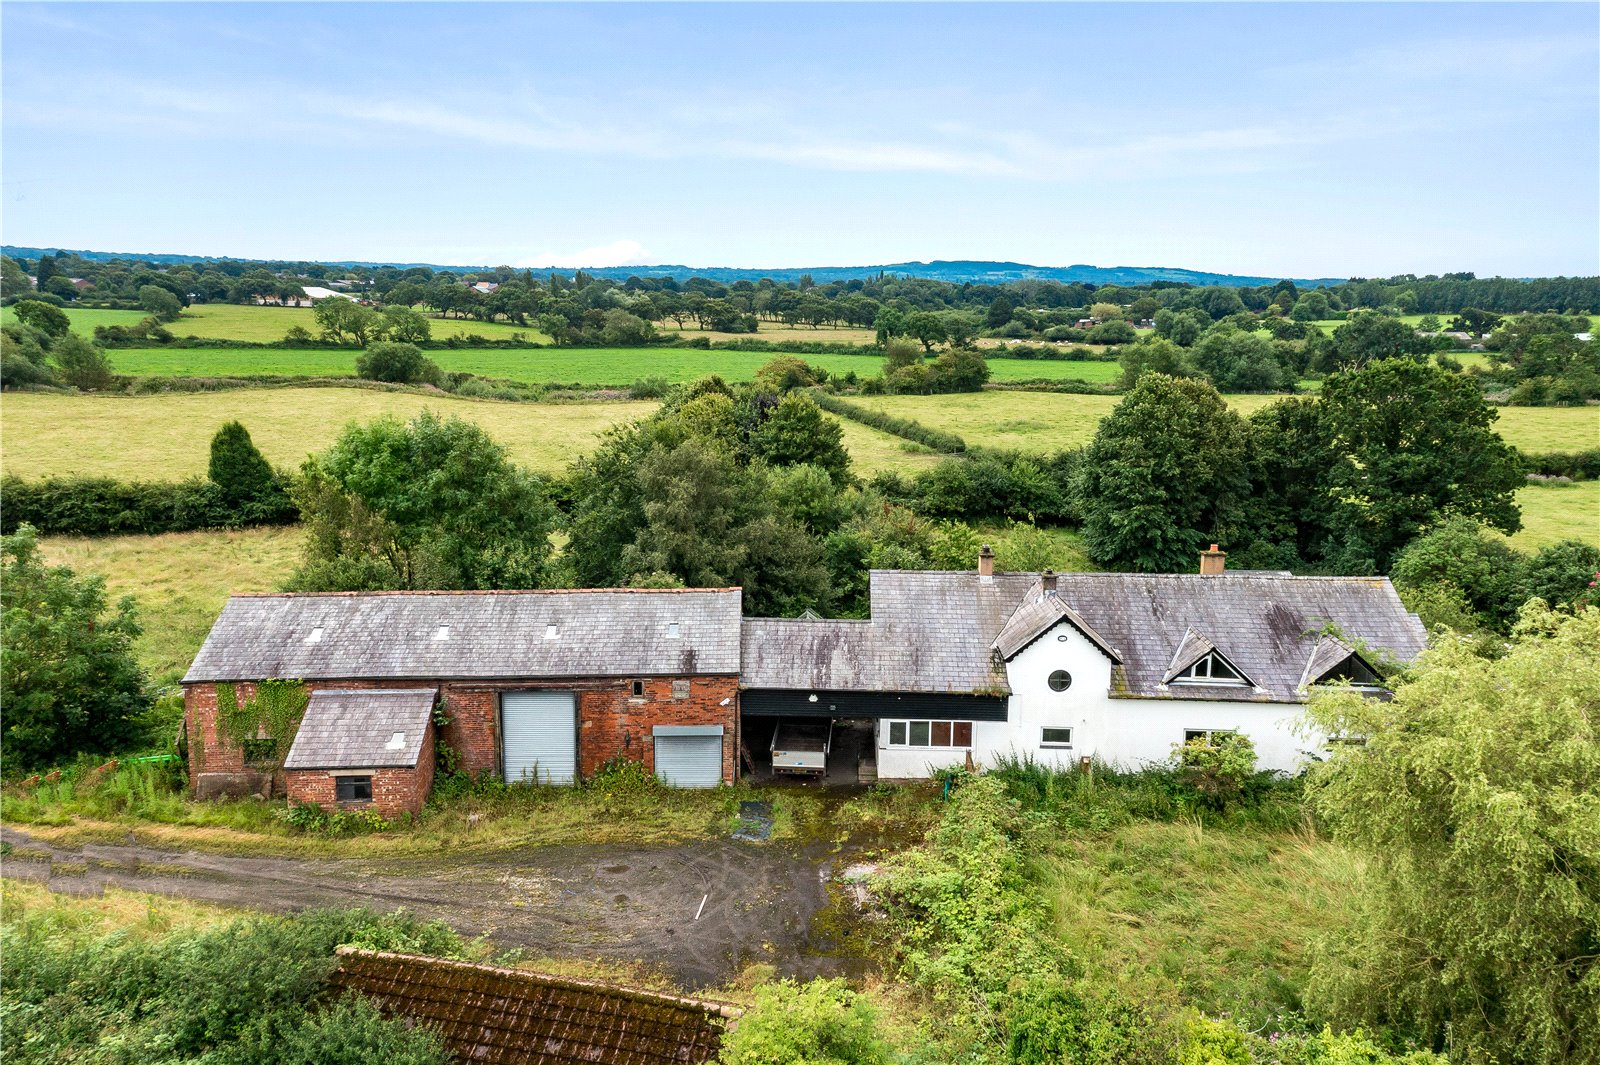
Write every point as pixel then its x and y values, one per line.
pixel 755 822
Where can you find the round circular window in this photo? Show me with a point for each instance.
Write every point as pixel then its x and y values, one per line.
pixel 1060 680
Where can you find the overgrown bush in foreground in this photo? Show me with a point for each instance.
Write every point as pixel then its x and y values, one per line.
pixel 819 1023
pixel 1476 799
pixel 251 991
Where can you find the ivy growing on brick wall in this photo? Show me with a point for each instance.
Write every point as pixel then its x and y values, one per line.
pixel 273 712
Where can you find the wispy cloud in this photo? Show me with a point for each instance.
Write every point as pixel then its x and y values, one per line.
pixel 617 253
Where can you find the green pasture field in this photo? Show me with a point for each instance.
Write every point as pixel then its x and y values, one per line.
pixel 180 581
pixel 84 319
pixel 826 334
pixel 1045 421
pixel 1552 512
pixel 1328 325
pixel 260 325
pixel 592 367
pixel 167 436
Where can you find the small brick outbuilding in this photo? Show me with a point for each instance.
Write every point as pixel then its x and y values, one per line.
pixel 358 749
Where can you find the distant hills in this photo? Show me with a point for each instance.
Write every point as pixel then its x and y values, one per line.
pixel 956 271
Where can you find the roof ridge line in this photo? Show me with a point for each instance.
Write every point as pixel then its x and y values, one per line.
pixel 480 591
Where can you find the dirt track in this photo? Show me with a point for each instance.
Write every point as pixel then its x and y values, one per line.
pixel 609 902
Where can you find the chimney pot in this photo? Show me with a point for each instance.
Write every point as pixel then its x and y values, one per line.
pixel 986 562
pixel 1213 561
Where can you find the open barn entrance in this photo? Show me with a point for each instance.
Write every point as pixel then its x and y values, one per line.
pixel 851 757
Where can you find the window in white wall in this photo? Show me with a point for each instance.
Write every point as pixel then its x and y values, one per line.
pixel 1060 680
pixel 1210 669
pixel 1206 735
pixel 1055 737
pixel 930 734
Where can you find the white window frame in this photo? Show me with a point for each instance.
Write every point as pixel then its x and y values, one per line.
pixel 1208 734
pixel 1055 745
pixel 888 734
pixel 1193 674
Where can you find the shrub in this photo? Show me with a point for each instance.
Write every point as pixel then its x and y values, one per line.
pixel 398 363
pixel 81 364
pixel 819 1023
pixel 241 471
pixel 1056 1022
pixel 1217 768
pixel 246 991
pixel 904 428
pixel 68 678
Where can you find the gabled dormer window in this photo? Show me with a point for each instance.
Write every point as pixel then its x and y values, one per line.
pixel 1352 671
pixel 1210 669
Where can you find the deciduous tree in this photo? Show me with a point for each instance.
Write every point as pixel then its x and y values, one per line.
pixel 68 677
pixel 1164 475
pixel 1474 797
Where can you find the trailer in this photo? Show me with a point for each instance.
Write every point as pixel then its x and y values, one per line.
pixel 801 747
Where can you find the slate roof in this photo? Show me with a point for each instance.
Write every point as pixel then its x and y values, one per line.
pixel 495 1016
pixel 1191 649
pixel 370 729
pixel 1039 615
pixel 939 631
pixel 445 635
pixel 929 632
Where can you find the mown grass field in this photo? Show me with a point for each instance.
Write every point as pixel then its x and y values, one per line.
pixel 230 321
pixel 587 367
pixel 1552 512
pixel 167 437
pixel 827 334
pixel 1042 421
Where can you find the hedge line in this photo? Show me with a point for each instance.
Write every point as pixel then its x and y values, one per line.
pixel 905 428
pixel 101 506
pixel 1068 385
pixel 1578 465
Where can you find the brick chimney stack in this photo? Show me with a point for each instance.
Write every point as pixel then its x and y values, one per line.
pixel 1047 582
pixel 986 563
pixel 1212 562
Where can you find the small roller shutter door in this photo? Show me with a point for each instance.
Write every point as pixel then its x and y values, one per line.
pixel 539 735
pixel 689 757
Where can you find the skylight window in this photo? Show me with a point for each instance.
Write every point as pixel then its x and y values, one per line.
pixel 442 632
pixel 315 635
pixel 397 742
pixel 550 632
pixel 672 630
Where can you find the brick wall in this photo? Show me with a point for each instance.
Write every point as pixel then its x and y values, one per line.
pixel 394 791
pixel 612 722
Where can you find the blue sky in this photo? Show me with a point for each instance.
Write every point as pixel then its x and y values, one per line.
pixel 1296 139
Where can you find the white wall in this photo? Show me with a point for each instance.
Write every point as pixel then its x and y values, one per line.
pixel 1131 733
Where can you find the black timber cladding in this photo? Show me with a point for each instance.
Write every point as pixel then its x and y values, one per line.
pixel 932 706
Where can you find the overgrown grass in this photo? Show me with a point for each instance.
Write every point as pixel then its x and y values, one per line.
pixel 147 800
pixel 180 581
pixel 250 990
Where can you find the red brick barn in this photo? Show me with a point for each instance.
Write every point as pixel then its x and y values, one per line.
pixel 545 685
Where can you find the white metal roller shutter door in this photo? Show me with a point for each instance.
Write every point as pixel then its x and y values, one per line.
pixel 539 735
pixel 689 761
